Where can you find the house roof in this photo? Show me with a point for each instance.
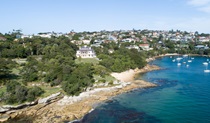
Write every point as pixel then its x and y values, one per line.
pixel 143 44
pixel 85 49
pixel 2 38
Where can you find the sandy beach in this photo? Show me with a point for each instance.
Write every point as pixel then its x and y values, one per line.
pixel 68 108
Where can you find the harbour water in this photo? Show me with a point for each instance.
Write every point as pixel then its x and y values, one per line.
pixel 182 96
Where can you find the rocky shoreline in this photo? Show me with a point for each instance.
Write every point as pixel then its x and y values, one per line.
pixel 67 108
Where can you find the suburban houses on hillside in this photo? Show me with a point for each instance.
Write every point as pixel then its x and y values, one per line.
pixel 141 40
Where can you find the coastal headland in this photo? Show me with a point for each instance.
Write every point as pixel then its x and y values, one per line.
pixel 68 108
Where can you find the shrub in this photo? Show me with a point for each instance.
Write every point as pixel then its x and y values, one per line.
pixel 33 93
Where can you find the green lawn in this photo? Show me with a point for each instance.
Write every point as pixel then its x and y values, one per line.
pixel 87 60
pixel 15 71
pixel 107 78
pixel 2 89
pixel 50 90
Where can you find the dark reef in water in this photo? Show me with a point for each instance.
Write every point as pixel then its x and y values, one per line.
pixel 112 111
pixel 116 113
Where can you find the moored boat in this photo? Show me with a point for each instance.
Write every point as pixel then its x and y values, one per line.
pixel 207 71
pixel 205 63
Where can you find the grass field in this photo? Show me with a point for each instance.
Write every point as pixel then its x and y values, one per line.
pixel 107 78
pixel 2 89
pixel 50 90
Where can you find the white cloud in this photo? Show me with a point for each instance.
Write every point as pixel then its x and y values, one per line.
pixel 198 2
pixel 201 5
pixel 205 9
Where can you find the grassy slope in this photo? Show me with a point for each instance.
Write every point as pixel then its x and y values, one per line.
pixel 51 90
pixel 87 60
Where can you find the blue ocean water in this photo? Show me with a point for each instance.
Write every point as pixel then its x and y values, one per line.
pixel 182 96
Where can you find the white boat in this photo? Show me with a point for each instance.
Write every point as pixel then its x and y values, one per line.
pixel 192 58
pixel 205 63
pixel 207 71
pixel 170 56
pixel 178 64
pixel 184 62
pixel 189 61
pixel 187 65
pixel 185 55
pixel 173 60
pixel 178 58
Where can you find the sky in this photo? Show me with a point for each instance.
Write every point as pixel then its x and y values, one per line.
pixel 34 16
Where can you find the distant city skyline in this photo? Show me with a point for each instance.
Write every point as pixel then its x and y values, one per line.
pixel 36 16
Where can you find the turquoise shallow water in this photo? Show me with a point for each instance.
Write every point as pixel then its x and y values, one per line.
pixel 182 96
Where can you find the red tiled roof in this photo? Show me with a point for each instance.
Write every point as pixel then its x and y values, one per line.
pixel 143 44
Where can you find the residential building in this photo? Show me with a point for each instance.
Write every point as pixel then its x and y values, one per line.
pixel 201 47
pixel 2 38
pixel 26 36
pixel 145 46
pixel 86 52
pixel 45 35
pixel 86 42
pixel 204 39
pixel 133 47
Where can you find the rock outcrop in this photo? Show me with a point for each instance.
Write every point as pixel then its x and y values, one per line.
pixel 49 98
pixel 6 108
pixel 56 108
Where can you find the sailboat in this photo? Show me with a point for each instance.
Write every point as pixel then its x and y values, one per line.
pixel 178 60
pixel 206 70
pixel 190 59
pixel 178 64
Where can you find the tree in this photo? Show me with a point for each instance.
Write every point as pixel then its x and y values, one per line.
pixel 21 93
pixel 76 37
pixel 11 85
pixel 34 92
pixel 17 93
pixel 6 66
pixel 30 70
pixel 100 70
pixel 79 80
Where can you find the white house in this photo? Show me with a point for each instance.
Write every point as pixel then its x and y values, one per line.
pixel 133 47
pixel 86 41
pixel 145 47
pixel 26 36
pixel 199 47
pixel 45 35
pixel 127 40
pixel 86 52
pixel 203 39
